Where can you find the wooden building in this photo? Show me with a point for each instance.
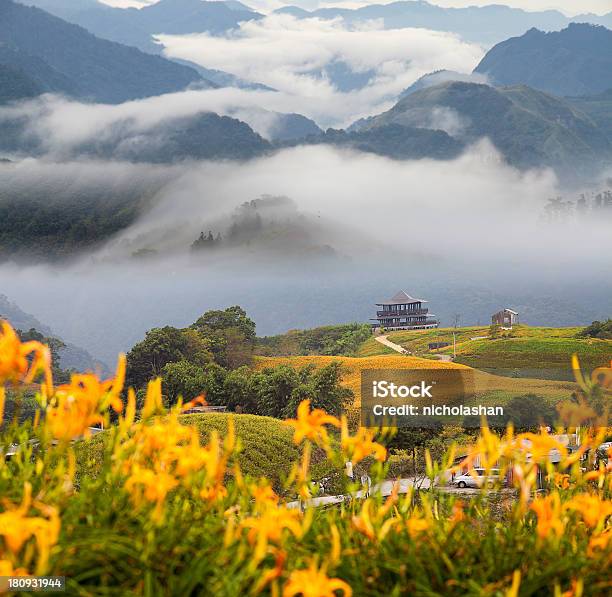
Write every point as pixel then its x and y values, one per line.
pixel 506 318
pixel 403 312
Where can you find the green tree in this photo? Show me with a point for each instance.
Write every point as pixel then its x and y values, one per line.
pixel 494 331
pixel 273 388
pixel 239 391
pixel 598 329
pixel 230 335
pixel 322 387
pixel 183 379
pixel 161 346
pixel 55 345
pixel 414 441
pixel 219 321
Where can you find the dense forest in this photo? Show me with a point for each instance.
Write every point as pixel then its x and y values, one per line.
pixel 212 358
pixel 333 340
pixel 56 222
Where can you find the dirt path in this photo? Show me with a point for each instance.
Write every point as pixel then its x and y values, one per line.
pixel 386 342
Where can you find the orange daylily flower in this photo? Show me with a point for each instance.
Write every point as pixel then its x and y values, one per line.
pixel 17 528
pixel 167 448
pixel 539 445
pixel 417 525
pixel 314 582
pixel 548 510
pixel 600 542
pixel 21 362
pixel 264 496
pixel 75 407
pixel 592 508
pixel 270 526
pixel 458 512
pixel 561 480
pixel 371 520
pixel 311 424
pixel 361 445
pixel 152 486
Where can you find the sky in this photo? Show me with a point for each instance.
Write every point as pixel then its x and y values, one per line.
pixel 569 7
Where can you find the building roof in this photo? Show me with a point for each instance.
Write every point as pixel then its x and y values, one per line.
pixel 402 298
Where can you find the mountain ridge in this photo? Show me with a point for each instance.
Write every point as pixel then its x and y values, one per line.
pixel 136 27
pixel 530 128
pixel 487 25
pixel 89 67
pixel 573 62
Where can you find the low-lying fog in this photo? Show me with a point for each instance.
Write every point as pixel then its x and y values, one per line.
pixel 337 232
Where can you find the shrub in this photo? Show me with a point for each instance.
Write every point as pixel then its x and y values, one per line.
pixel 598 329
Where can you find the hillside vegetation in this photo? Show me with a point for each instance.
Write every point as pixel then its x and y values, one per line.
pixel 332 340
pixel 598 108
pixel 528 127
pixel 168 511
pixel 15 85
pixel 267 448
pixel 66 215
pixel 536 352
pixel 488 388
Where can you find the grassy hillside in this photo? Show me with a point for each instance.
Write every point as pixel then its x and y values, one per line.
pixel 489 387
pixel 267 446
pixel 537 352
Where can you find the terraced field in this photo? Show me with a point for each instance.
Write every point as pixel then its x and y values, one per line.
pixel 532 352
pixel 489 388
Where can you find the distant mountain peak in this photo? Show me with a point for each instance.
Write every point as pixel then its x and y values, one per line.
pixel 63 57
pixel 572 62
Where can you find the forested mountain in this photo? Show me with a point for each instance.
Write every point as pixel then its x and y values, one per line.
pixel 573 62
pixel 135 27
pixel 599 108
pixel 392 140
pixel 485 24
pixel 530 128
pixel 290 127
pixel 16 85
pixel 442 76
pixel 60 56
pixel 70 356
pixel 46 78
pixel 202 137
pixel 50 215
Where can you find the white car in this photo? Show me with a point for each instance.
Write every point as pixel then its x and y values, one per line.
pixel 477 478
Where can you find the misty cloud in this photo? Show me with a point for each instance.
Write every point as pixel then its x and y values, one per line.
pixel 61 125
pixel 298 58
pixel 373 203
pixel 467 234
